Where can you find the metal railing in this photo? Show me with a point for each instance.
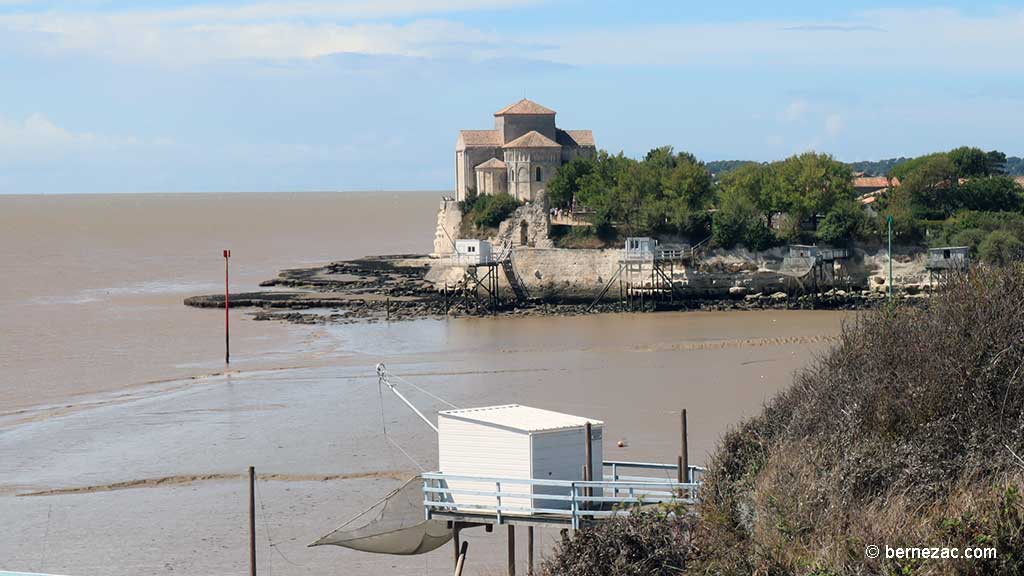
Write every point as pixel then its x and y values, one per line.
pixel 568 501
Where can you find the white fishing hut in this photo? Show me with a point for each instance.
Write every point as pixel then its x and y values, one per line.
pixel 472 251
pixel 513 442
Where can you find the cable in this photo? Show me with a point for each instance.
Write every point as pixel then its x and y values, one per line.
pixel 270 539
pixel 430 394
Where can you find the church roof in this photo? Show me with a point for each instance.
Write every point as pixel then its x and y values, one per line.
pixel 490 138
pixel 492 163
pixel 533 139
pixel 575 137
pixel 525 106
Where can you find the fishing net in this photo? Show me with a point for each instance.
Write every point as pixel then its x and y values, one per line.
pixel 394 525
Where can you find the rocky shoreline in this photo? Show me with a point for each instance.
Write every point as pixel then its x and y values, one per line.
pixel 395 288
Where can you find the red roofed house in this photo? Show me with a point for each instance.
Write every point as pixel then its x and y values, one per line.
pixel 520 155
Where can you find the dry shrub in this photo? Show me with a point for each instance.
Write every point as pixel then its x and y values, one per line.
pixel 906 434
pixel 910 432
pixel 650 541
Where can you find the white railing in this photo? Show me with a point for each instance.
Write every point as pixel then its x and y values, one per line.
pixel 568 501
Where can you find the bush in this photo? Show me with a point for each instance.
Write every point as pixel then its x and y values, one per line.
pixel 644 542
pixel 907 434
pixel 489 211
pixel 1000 247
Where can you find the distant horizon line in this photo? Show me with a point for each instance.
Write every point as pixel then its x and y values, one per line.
pixel 184 193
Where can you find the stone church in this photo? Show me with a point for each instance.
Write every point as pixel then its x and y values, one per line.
pixel 520 155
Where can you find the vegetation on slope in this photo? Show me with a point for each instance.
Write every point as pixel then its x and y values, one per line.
pixel 910 433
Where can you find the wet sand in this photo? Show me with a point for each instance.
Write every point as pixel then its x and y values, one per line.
pixel 156 485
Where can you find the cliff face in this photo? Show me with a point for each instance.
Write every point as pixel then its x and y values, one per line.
pixel 560 274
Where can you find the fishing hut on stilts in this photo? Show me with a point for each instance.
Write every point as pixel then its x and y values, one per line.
pixel 479 287
pixel 513 466
pixel 647 273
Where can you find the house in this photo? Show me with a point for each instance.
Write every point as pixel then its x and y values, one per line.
pixel 948 258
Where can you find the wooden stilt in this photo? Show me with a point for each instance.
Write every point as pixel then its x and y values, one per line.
pixel 455 540
pixel 252 521
pixel 588 467
pixel 511 550
pixel 460 558
pixel 529 550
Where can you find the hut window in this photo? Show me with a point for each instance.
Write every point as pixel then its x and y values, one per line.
pixel 538 173
pixel 945 254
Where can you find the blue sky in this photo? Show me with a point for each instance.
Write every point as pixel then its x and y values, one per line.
pixel 149 96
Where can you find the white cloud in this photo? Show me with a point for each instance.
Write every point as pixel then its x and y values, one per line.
pixel 795 111
pixel 273 30
pixel 931 38
pixel 36 138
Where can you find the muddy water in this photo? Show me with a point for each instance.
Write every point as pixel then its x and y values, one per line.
pixel 140 470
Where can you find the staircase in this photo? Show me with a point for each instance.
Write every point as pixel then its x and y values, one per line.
pixel 516 283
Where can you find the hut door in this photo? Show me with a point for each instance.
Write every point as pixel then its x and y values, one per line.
pixel 524 230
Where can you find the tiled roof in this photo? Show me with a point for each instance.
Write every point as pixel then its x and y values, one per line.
pixel 533 139
pixel 871 182
pixel 524 106
pixel 492 163
pixel 575 137
pixel 490 138
pixel 1019 179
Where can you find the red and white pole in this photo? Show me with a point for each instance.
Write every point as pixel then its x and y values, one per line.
pixel 227 310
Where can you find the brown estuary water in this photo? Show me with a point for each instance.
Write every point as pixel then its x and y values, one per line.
pixel 124 439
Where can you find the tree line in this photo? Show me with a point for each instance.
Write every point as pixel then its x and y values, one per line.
pixel 963 195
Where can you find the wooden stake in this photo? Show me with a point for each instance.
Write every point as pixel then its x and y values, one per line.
pixel 460 560
pixel 684 454
pixel 252 521
pixel 529 550
pixel 511 550
pixel 227 310
pixel 588 470
pixel 455 540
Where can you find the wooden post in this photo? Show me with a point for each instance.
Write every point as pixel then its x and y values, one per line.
pixel 511 550
pixel 529 550
pixel 227 310
pixel 684 454
pixel 588 468
pixel 252 521
pixel 455 532
pixel 387 304
pixel 460 559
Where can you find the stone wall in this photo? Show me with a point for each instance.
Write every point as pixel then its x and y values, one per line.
pixel 577 275
pixel 449 218
pixel 535 217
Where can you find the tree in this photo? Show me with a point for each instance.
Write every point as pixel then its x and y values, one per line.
pixel 563 188
pixel 1001 247
pixel 969 161
pixel 930 186
pixel 843 224
pixel 994 194
pixel 807 185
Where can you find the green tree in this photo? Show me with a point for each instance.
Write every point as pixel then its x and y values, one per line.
pixel 969 161
pixel 1001 247
pixel 843 224
pixel 807 185
pixel 994 194
pixel 930 186
pixel 563 188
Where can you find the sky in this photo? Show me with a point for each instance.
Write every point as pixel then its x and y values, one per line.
pixel 193 96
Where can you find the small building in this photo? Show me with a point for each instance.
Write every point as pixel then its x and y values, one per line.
pixel 949 258
pixel 472 251
pixel 640 248
pixel 514 442
pixel 802 251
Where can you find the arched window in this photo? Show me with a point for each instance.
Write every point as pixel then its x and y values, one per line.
pixel 538 173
